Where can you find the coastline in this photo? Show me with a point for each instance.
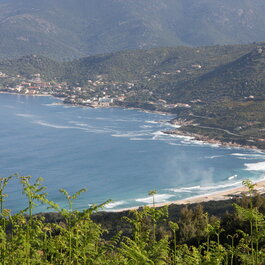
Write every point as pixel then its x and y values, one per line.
pixel 222 195
pixel 31 95
pixel 205 139
pixel 86 106
pixel 174 132
pixel 217 196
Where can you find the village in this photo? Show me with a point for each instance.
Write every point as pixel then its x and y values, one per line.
pixel 96 93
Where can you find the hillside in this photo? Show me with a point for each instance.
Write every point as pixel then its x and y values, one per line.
pixel 231 101
pixel 243 77
pixel 216 92
pixel 130 65
pixel 77 28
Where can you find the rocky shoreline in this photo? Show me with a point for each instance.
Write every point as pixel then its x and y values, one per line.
pixel 208 140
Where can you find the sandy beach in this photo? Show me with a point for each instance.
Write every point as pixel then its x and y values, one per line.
pixel 218 196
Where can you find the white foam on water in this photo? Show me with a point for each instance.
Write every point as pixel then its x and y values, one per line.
pixel 232 177
pixel 68 106
pixel 212 157
pixel 46 124
pixel 260 166
pixel 91 118
pixel 146 126
pixel 138 139
pixel 221 186
pixel 260 155
pixel 158 135
pixel 214 187
pixel 158 198
pixel 78 123
pixel 109 119
pixel 52 104
pixel 112 205
pixel 129 134
pixel 124 120
pixel 201 143
pixel 83 127
pixel 179 190
pixel 173 125
pixel 190 140
pixel 191 188
pixel 175 144
pixel 197 142
pixel 212 145
pixel 100 119
pixel 185 137
pixel 95 130
pixel 154 122
pixel 81 124
pixel 25 115
pixel 187 142
pixel 238 154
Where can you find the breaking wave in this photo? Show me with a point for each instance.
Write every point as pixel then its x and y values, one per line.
pixel 260 166
pixel 112 205
pixel 159 198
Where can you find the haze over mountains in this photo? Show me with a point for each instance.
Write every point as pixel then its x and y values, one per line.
pixel 66 29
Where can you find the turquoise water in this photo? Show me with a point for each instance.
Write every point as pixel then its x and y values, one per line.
pixel 115 153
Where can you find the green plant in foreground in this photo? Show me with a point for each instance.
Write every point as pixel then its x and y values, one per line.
pixel 145 248
pixel 256 223
pixel 33 192
pixel 3 183
pixel 232 249
pixel 77 239
pixel 174 227
pixel 70 218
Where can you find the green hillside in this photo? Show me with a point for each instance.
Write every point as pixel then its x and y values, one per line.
pixel 218 91
pixel 240 78
pixel 130 65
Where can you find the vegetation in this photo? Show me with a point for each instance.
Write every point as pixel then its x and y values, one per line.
pixel 218 91
pixel 130 65
pixel 194 238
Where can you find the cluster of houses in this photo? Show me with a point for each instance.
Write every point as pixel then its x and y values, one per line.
pixel 34 85
pixel 97 93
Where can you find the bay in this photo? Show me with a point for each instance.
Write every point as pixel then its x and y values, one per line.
pixel 115 153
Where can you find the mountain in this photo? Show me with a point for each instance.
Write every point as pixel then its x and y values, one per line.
pixel 76 28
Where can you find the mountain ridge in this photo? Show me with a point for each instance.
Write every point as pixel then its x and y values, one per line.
pixel 78 28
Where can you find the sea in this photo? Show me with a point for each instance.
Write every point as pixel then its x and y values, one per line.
pixel 116 154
